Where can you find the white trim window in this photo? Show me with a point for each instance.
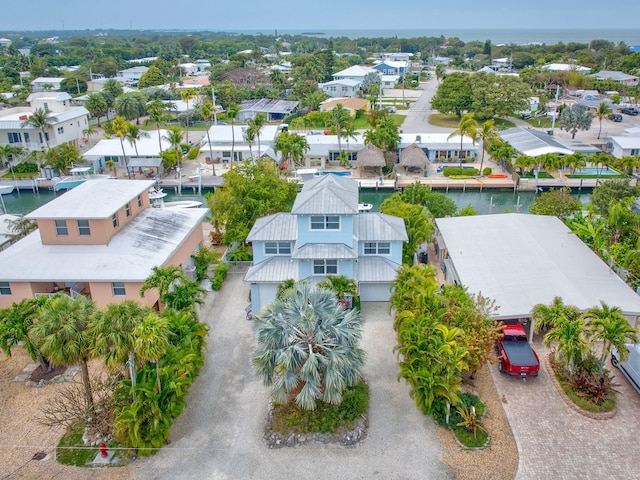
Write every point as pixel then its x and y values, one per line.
pixel 5 288
pixel 118 289
pixel 377 248
pixel 325 267
pixel 127 210
pixel 277 248
pixel 61 228
pixel 325 222
pixel 84 229
pixel 114 220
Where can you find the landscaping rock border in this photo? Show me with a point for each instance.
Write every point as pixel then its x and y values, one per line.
pixel 568 401
pixel 348 439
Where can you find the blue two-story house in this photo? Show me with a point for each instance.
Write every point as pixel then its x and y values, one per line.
pixel 325 234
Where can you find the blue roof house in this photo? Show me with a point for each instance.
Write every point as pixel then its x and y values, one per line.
pixel 325 234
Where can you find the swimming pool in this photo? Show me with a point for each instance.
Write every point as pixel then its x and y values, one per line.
pixel 340 174
pixel 596 171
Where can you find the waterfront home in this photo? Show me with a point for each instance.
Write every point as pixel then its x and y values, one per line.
pixel 623 146
pixel 100 239
pixel 225 138
pixel 66 122
pixel 534 143
pixel 325 234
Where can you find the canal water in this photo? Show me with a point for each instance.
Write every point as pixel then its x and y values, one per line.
pixel 502 200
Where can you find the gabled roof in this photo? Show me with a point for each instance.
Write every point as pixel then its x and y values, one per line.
pixel 626 142
pixel 327 195
pixel 374 226
pixel 350 82
pixel 56 96
pixel 376 270
pixel 47 80
pixel 532 143
pixel 311 251
pixel 354 103
pixel 354 71
pixel 144 147
pixel 275 269
pixel 612 75
pixel 269 105
pixel 280 226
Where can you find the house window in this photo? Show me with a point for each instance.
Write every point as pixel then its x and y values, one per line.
pixel 83 228
pixel 377 248
pixel 325 222
pixel 14 137
pixel 127 210
pixel 114 220
pixel 325 267
pixel 61 228
pixel 5 288
pixel 277 248
pixel 118 289
pixel 60 130
pixel 140 201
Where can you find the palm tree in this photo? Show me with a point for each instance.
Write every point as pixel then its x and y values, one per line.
pixel 232 112
pixel 468 127
pixel 292 146
pixel 609 325
pixel 41 120
pixel 174 137
pixel 549 316
pixel 97 105
pixel 186 95
pixel 339 117
pixel 120 128
pixel 603 111
pixel 135 133
pixel 207 110
pixel 151 341
pixel 61 334
pixel 113 88
pixel 570 342
pixel 162 279
pixel 487 134
pixel 503 151
pixel 257 123
pixel 349 133
pixel 249 134
pixel 89 132
pixel 308 347
pixel 157 109
pixel 112 332
pixel 15 324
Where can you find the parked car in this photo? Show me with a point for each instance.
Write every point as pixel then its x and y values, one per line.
pixel 631 366
pixel 516 358
pixel 615 117
pixel 629 111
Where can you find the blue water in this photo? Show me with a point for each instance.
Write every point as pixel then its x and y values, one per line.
pixel 339 174
pixel 596 171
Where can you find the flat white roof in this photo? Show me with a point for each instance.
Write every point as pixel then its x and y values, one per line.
pixel 146 146
pixel 92 199
pixel 521 260
pixel 149 240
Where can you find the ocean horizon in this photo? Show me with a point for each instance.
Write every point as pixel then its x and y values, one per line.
pixel 520 36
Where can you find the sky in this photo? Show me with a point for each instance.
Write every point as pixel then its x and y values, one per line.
pixel 320 15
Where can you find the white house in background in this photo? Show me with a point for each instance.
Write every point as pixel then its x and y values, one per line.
pixel 345 87
pixel 389 81
pixel 325 235
pixel 4 42
pixel 224 136
pixel 142 157
pixel 275 110
pixel 188 69
pixel 623 146
pixel 66 122
pixel 42 84
pixel 392 68
pixel 396 56
pixel 438 60
pixel 565 67
pixel 620 77
pixel 133 74
pixel 355 72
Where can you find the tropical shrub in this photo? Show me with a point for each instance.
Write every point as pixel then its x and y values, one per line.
pixel 240 254
pixel 202 259
pixel 460 172
pixel 219 274
pixel 193 153
pixel 486 171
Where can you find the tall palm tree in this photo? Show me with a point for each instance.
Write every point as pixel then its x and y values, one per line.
pixel 468 127
pixel 349 133
pixel 609 325
pixel 292 147
pixel 570 342
pixel 232 112
pixel 249 134
pixel 112 332
pixel 308 346
pixel 174 137
pixel 257 123
pixel 61 335
pixel 186 95
pixel 41 120
pixel 120 128
pixel 207 110
pixel 156 110
pixel 487 134
pixel 603 111
pixel 130 105
pixel 151 341
pixel 338 118
pixel 135 133
pixel 97 105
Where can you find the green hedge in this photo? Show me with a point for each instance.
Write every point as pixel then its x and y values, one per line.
pixel 219 274
pixel 460 172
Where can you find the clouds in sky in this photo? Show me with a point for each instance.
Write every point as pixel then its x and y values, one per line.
pixel 319 15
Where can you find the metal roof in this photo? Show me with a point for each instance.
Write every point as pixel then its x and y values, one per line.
pixel 280 226
pixel 374 226
pixel 149 240
pixel 324 250
pixel 521 260
pixel 275 269
pixel 329 195
pixel 376 269
pixel 146 146
pixel 532 143
pixel 92 199
pixel 269 105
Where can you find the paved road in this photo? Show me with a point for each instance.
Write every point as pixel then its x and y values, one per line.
pixel 417 120
pixel 219 435
pixel 555 442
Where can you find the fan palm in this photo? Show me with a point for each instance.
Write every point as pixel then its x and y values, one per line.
pixel 41 120
pixel 487 134
pixel 232 112
pixel 308 346
pixel 120 128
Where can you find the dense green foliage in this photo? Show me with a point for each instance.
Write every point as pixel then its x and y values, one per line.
pixel 219 275
pixel 558 202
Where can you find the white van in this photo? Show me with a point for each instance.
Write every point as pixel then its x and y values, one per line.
pixel 631 366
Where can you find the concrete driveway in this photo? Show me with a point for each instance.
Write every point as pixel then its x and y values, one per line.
pixel 556 442
pixel 219 435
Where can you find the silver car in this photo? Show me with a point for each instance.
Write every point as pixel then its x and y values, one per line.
pixel 631 366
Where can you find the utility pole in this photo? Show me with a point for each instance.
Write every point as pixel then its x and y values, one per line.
pixel 553 120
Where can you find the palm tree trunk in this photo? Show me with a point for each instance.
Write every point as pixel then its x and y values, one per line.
pixel 132 374
pixel 45 365
pixel 233 142
pixel 86 382
pixel 213 168
pixel 159 138
pixel 124 156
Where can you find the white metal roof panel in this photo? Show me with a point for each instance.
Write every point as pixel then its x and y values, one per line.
pixel 280 226
pixel 374 226
pixel 324 250
pixel 376 269
pixel 273 270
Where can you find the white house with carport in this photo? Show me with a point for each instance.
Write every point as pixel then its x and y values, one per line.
pixel 324 235
pixel 142 157
pixel 522 260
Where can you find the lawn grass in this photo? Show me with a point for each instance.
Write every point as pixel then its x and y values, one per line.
pixel 540 175
pixel 326 418
pixel 503 123
pixel 540 122
pixel 20 175
pixel 601 177
pixel 442 120
pixel 466 438
pixel 77 457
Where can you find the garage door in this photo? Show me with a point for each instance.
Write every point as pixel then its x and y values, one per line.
pixel 375 292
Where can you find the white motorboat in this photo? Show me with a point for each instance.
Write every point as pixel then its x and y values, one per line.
pixel 364 207
pixel 6 189
pixel 156 196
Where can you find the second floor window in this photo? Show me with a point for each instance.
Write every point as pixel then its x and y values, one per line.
pixel 83 228
pixel 377 248
pixel 61 228
pixel 140 201
pixel 277 248
pixel 127 210
pixel 325 267
pixel 114 220
pixel 325 222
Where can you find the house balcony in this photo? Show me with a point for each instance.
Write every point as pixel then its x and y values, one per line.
pixel 73 290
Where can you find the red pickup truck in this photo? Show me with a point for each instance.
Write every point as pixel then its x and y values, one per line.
pixel 515 356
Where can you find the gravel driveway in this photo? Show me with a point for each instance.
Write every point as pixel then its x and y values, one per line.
pixel 219 435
